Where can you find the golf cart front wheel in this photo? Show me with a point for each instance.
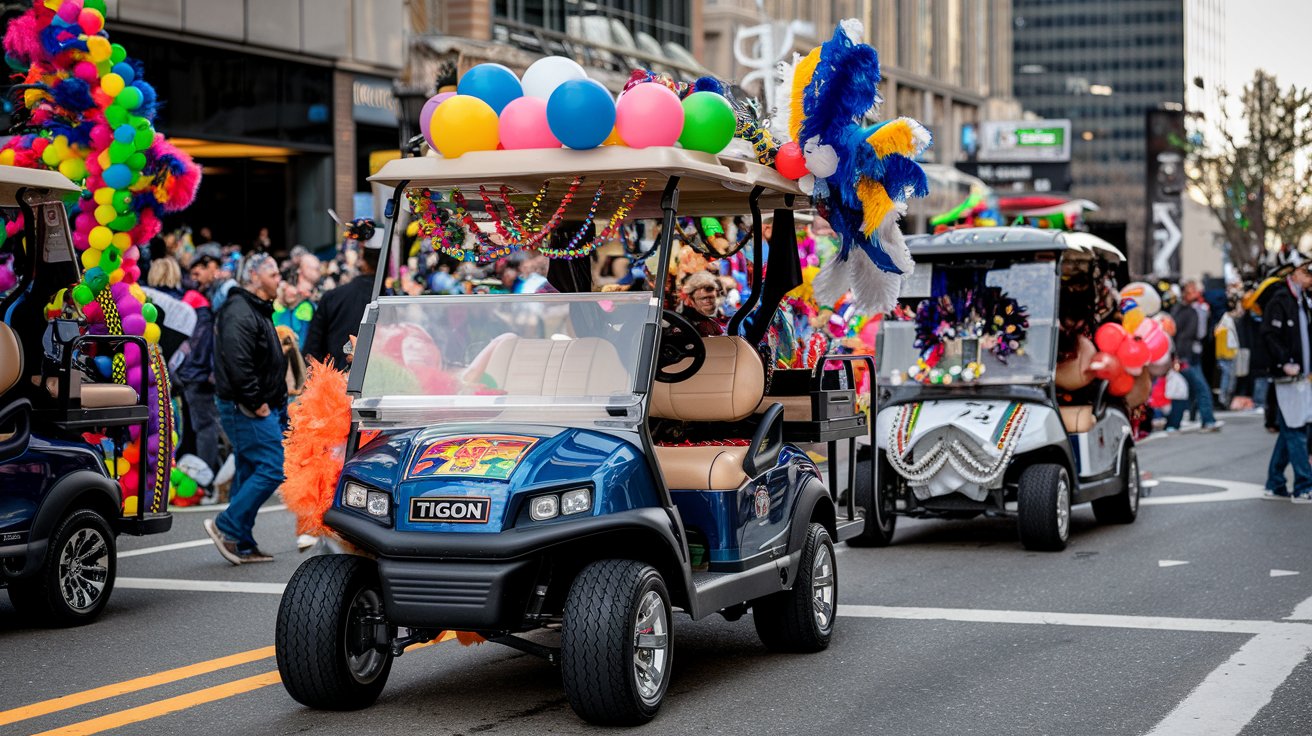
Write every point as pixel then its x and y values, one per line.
pixel 76 576
pixel 331 639
pixel 876 501
pixel 1044 507
pixel 615 643
pixel 802 619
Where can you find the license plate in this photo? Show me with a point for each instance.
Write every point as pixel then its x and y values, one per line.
pixel 451 510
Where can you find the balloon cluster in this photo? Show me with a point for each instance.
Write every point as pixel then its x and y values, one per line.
pixel 1125 348
pixel 88 113
pixel 555 104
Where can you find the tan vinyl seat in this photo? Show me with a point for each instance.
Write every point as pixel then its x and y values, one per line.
pixel 1077 419
pixel 727 388
pixel 11 359
pixel 96 395
pixel 587 366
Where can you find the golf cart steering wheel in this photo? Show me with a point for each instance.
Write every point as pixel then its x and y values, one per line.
pixel 679 342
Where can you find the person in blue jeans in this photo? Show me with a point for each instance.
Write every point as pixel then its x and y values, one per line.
pixel 250 382
pixel 1287 335
pixel 1190 331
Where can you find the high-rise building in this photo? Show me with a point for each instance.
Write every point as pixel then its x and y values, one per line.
pixel 1104 64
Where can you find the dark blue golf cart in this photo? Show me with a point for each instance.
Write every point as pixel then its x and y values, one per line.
pixel 60 510
pixel 577 465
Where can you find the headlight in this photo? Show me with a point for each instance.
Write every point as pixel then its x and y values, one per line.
pixel 379 503
pixel 356 495
pixel 575 502
pixel 544 507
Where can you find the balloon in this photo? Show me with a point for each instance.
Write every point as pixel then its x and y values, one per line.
pixel 119 152
pixel 130 98
pixel 105 214
pixel 546 74
pixel 129 305
pixel 709 122
pixel 92 312
pixel 790 162
pixel 462 124
pixel 151 333
pixel 581 113
pixel 104 365
pixel 113 84
pixel 1144 295
pixel 133 324
pixel 1131 319
pixel 492 83
pixel 1167 322
pixel 614 138
pixel 150 312
pixel 1109 337
pixel 86 71
pixel 96 280
pixel 123 70
pixel 145 138
pixel 426 115
pixel 99 237
pixel 115 115
pixel 73 168
pixel 1133 353
pixel 110 259
pixel 1106 366
pixel 649 114
pixel 1162 365
pixel 98 48
pixel 118 176
pixel 187 488
pixel 90 258
pixel 91 21
pixel 116 52
pixel 1121 385
pixel 1157 341
pixel 82 295
pixel 523 124
pixel 68 12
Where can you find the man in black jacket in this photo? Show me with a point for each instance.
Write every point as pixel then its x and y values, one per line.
pixel 250 380
pixel 1191 330
pixel 340 310
pixel 1287 334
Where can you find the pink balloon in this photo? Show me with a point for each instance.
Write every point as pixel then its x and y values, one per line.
pixel 649 114
pixel 1133 353
pixel 426 115
pixel 132 355
pixel 68 12
pixel 80 240
pixel 1155 338
pixel 1109 337
pixel 101 135
pixel 134 377
pixel 134 324
pixel 92 312
pixel 523 124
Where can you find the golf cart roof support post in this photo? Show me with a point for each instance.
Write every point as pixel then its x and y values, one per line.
pixel 669 210
pixel 393 213
pixel 758 258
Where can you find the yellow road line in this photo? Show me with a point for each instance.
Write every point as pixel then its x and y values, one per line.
pixel 46 707
pixel 166 706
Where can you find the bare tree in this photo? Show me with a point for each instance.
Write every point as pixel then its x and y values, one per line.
pixel 1255 173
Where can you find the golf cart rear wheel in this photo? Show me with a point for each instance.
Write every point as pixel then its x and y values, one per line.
pixel 1044 507
pixel 76 576
pixel 802 619
pixel 615 643
pixel 881 521
pixel 331 637
pixel 1124 506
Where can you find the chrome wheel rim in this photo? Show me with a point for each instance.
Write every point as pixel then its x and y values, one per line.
pixel 1134 483
pixel 823 588
pixel 651 647
pixel 363 657
pixel 1063 507
pixel 84 569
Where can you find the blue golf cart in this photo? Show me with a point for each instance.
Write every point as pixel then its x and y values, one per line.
pixel 561 472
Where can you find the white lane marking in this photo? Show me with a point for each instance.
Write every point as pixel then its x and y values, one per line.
pixel 165 548
pixel 1234 693
pixel 1171 563
pixel 1098 620
pixel 1283 573
pixel 1234 490
pixel 1302 612
pixel 214 586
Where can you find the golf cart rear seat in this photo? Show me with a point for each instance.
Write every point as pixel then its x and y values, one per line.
pixel 92 395
pixel 728 387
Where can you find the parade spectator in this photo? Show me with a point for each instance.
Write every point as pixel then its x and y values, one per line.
pixel 211 279
pixel 1191 322
pixel 701 304
pixel 1226 337
pixel 337 319
pixel 166 275
pixel 1285 330
pixel 251 380
pixel 196 378
pixel 293 310
pixel 309 273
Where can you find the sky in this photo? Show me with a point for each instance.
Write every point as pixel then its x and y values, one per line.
pixel 1275 35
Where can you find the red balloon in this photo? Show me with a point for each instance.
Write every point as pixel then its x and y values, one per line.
pixel 1121 385
pixel 1109 337
pixel 790 162
pixel 1133 353
pixel 1106 366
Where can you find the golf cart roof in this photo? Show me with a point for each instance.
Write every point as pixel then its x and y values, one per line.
pixel 985 240
pixel 13 178
pixel 709 185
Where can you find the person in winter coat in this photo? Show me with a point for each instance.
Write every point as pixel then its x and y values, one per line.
pixel 250 375
pixel 340 310
pixel 1191 329
pixel 1287 333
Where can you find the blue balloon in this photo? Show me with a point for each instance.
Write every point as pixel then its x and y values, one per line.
pixel 104 365
pixel 118 176
pixel 125 70
pixel 581 113
pixel 125 133
pixel 491 83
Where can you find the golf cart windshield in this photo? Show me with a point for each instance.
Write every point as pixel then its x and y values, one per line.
pixel 550 358
pixel 972 323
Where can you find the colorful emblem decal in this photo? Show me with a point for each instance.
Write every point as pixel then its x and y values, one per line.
pixel 493 457
pixel 761 502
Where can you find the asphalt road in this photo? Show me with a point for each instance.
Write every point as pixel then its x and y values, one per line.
pixel 1197 619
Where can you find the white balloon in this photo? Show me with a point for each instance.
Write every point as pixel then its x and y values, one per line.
pixel 1145 295
pixel 546 74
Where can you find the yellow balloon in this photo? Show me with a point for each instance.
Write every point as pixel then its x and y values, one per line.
pixel 103 158
pixel 73 168
pixel 105 214
pixel 122 466
pixel 115 276
pixel 122 241
pixel 152 333
pixel 614 138
pixel 98 48
pixel 112 84
pixel 136 291
pixel 7 157
pixel 100 237
pixel 464 123
pixel 90 258
pixel 104 195
pixel 129 505
pixel 1131 320
pixel 32 97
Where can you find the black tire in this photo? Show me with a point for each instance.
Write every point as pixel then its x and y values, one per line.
pixel 1044 507
pixel 611 676
pixel 1123 508
pixel 881 521
pixel 76 577
pixel 320 639
pixel 802 619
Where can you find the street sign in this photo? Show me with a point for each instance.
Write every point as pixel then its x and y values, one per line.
pixel 1166 182
pixel 1031 141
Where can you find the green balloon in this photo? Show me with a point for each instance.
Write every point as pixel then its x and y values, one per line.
pixel 110 259
pixel 82 295
pixel 4 235
pixel 144 139
pixel 95 5
pixel 96 280
pixel 149 312
pixel 187 488
pixel 119 152
pixel 123 223
pixel 115 115
pixel 122 202
pixel 709 122
pixel 176 475
pixel 137 161
pixel 129 98
pixel 116 52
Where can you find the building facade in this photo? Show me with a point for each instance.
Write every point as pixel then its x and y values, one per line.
pixel 1104 64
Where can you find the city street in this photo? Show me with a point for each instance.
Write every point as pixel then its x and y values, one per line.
pixel 1196 619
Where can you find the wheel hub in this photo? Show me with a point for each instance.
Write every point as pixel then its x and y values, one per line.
pixel 651 646
pixel 364 656
pixel 823 588
pixel 1063 508
pixel 83 569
